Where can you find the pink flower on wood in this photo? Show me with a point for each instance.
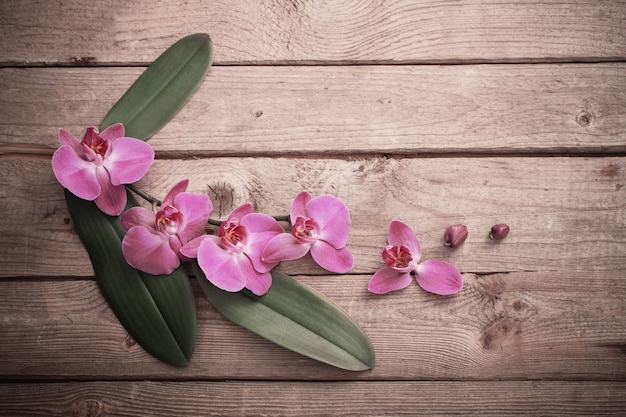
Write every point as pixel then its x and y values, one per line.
pixel 402 257
pixel 319 224
pixel 97 167
pixel 232 260
pixel 153 240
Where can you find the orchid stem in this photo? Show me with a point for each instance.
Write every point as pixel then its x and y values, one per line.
pixel 155 201
pixel 144 195
pixel 216 222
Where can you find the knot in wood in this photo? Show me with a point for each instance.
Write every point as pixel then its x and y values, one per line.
pixel 584 118
pixel 129 341
pixel 501 331
pixel 88 408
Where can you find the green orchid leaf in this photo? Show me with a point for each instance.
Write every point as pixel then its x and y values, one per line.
pixel 159 312
pixel 157 95
pixel 297 317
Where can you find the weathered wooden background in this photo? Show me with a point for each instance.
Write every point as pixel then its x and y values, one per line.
pixel 430 112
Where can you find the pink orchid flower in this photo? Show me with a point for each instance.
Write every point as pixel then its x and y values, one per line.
pixel 232 259
pixel 319 224
pixel 97 167
pixel 402 257
pixel 153 239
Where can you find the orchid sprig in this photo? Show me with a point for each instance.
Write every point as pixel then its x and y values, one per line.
pixel 248 245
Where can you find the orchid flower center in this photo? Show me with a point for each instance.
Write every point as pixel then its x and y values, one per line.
pixel 96 143
pixel 397 257
pixel 305 229
pixel 169 220
pixel 233 234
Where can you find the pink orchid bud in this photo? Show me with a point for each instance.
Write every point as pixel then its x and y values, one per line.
pixel 455 235
pixel 499 231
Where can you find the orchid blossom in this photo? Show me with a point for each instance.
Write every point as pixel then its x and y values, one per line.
pixel 154 238
pixel 402 257
pixel 97 167
pixel 232 260
pixel 319 224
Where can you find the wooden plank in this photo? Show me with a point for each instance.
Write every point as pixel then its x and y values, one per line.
pixel 341 110
pixel 118 31
pixel 563 325
pixel 565 213
pixel 241 398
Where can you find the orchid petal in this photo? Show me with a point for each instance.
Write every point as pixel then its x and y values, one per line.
pixel 298 206
pixel 196 209
pixel 138 216
pixel 284 247
pixel 75 174
pixel 129 160
pixel 335 260
pixel 149 251
pixel 333 218
pixel 176 245
pixel 401 234
pixel 239 212
pixel 225 269
pixel 66 138
pixel 262 228
pixel 190 249
pixel 90 155
pixel 439 277
pixel 259 223
pixel 388 279
pixel 173 192
pixel 259 283
pixel 112 199
pixel 113 132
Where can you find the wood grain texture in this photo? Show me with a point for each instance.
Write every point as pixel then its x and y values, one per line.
pixel 269 31
pixel 565 213
pixel 563 325
pixel 433 112
pixel 240 398
pixel 341 110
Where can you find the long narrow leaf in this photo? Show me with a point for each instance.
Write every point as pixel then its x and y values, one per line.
pixel 127 293
pixel 162 90
pixel 173 296
pixel 296 317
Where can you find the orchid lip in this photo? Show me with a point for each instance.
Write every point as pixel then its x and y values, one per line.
pixel 397 257
pixel 96 143
pixel 305 229
pixel 233 235
pixel 168 220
